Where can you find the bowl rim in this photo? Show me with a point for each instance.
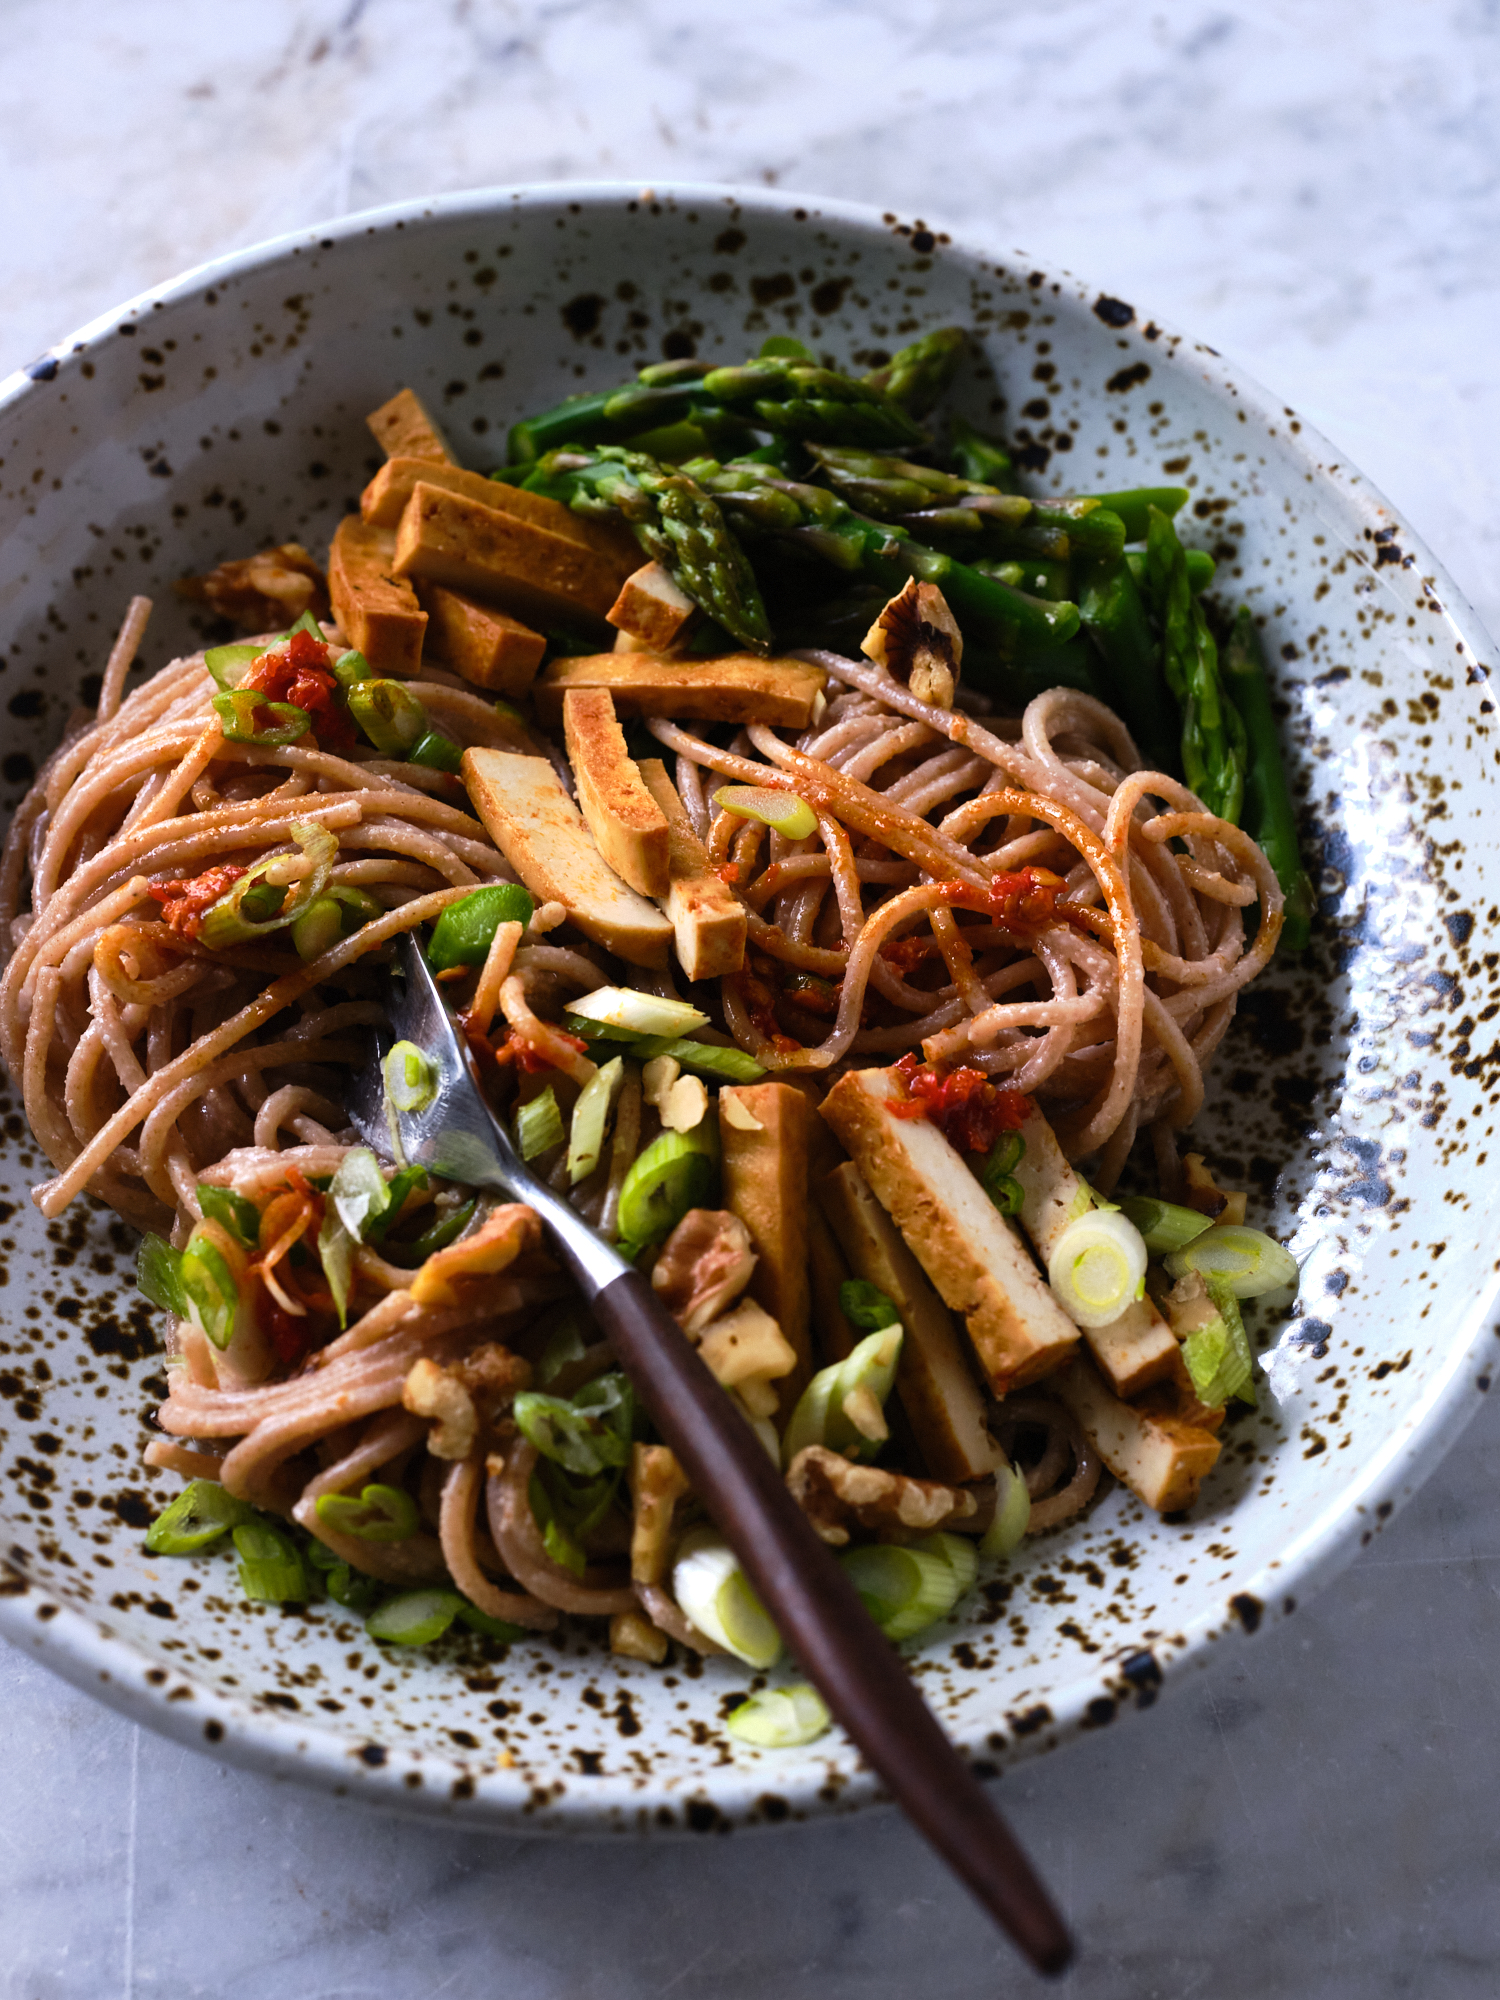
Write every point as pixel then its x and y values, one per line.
pixel 82 1650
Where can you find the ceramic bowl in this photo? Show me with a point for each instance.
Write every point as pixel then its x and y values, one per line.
pixel 1354 1097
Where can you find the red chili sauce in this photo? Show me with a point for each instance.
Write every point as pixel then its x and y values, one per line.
pixel 969 1110
pixel 301 672
pixel 183 904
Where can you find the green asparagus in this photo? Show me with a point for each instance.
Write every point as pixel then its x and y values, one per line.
pixel 1213 735
pixel 1134 503
pixel 793 399
pixel 1110 607
pixel 675 521
pixel 1269 818
pixel 980 457
pixel 918 375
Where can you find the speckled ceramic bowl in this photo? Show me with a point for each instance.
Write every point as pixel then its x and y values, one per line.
pixel 1354 1095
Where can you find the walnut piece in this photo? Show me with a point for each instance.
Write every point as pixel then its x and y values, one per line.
pixel 657 1483
pixel 431 1391
pixel 835 1493
pixel 703 1267
pixel 264 592
pixel 917 640
pixel 450 1273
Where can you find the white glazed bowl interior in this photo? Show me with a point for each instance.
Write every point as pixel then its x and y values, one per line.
pixel 1353 1096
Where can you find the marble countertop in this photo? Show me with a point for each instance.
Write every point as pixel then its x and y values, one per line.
pixel 1314 192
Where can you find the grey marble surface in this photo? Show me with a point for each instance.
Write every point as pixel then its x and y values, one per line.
pixel 1317 192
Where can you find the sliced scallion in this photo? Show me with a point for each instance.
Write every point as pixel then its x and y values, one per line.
pixel 350 668
pixel 637 1013
pixel 318 929
pixel 905 1588
pixel 230 664
pixel 158 1273
pixel 201 1513
pixel 488 1627
pixel 1097 1267
pixel 539 1125
pixel 466 929
pixel 1164 1226
pixel 247 717
pixel 437 1236
pixel 783 812
pixel 1012 1514
pixel 842 1406
pixel 410 1078
pixel 210 1287
pixel 390 715
pixel 780 1718
pixel 380 1514
pixel 436 752
pixel 590 1122
pixel 415 1617
pixel 866 1306
pixel 1246 1260
pixel 715 1594
pixel 997 1175
pixel 723 1065
pixel 274 891
pixel 676 1172
pixel 586 1434
pixel 1218 1353
pixel 271 1569
pixel 231 1211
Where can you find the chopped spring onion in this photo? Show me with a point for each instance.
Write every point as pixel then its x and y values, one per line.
pixel 230 664
pixel 1098 1267
pixel 436 1237
pixel 158 1273
pixel 714 1592
pixel 356 907
pixel 231 1211
pixel 410 1078
pixel 1247 1260
pixel 1012 1514
pixel 274 891
pixel 271 1570
pixel 350 1587
pixel 240 710
pixel 723 1065
pixel 466 929
pixel 415 1617
pixel 389 714
pixel 539 1125
pixel 359 1191
pixel 436 752
pixel 586 1434
pixel 350 668
pixel 399 1188
pixel 489 1628
pixel 780 1718
pixel 590 1120
pixel 907 1588
pixel 318 929
pixel 202 1511
pixel 638 1013
pixel 210 1287
pixel 564 1345
pixel 380 1514
pixel 842 1406
pixel 676 1172
pixel 1218 1353
pixel 783 812
pixel 866 1306
pixel 1164 1226
pixel 997 1175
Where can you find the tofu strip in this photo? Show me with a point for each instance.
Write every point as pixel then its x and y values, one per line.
pixel 1139 1347
pixel 765 1185
pixel 707 918
pixel 1159 1456
pixel 938 1392
pixel 973 1255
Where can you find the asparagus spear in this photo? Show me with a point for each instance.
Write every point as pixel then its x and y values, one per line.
pixel 1200 568
pixel 758 501
pixel 793 399
pixel 675 521
pixel 1213 735
pixel 1269 818
pixel 1110 606
pixel 1133 504
pixel 980 457
pixel 917 376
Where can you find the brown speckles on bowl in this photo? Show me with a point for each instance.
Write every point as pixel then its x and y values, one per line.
pixel 1356 1094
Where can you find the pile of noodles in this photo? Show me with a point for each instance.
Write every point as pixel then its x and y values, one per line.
pixel 150 1064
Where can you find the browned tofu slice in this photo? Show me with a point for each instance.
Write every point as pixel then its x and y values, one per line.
pixel 1146 1445
pixel 384 501
pixel 482 643
pixel 377 609
pixel 445 538
pixel 765 1185
pixel 629 827
pixel 708 919
pixel 1138 1348
pixel 403 429
pixel 736 687
pixel 541 833
pixel 652 608
pixel 938 1392
pixel 973 1255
